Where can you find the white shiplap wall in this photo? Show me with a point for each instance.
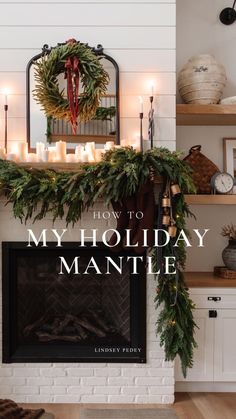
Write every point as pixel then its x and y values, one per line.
pixel 141 37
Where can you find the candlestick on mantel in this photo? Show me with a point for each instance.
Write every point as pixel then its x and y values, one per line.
pixel 151 119
pixel 141 122
pixel 6 93
pixel 6 127
pixel 141 131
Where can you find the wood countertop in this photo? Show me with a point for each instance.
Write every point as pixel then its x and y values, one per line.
pixel 207 280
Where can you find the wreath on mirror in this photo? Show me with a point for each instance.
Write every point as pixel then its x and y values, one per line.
pixel 80 64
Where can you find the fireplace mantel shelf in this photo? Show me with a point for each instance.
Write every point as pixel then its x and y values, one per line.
pixel 66 167
pixel 59 167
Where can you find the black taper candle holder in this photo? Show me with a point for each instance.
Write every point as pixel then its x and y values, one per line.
pixel 151 122
pixel 141 130
pixel 6 127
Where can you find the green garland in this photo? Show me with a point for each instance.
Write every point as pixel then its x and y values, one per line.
pixel 35 193
pixel 93 77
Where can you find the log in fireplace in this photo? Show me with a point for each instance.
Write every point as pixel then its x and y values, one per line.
pixel 68 317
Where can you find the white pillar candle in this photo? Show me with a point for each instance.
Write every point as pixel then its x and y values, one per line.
pixel 78 151
pixel 32 158
pixel 72 158
pixel 84 156
pixel 40 147
pixel 2 153
pixel 109 145
pixel 51 154
pixel 12 156
pixel 22 151
pixel 12 147
pixel 98 154
pixel 45 155
pixel 61 151
pixel 90 148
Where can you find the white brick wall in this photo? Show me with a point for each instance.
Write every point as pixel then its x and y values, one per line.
pixel 152 382
pixel 141 37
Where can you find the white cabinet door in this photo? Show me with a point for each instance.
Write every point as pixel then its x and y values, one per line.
pixel 203 356
pixel 225 346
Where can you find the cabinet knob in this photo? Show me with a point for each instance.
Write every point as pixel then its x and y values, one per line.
pixel 212 314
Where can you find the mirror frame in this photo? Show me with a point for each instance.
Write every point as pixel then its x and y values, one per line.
pixel 46 51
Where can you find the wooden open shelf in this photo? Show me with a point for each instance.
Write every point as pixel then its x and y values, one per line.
pixel 207 280
pixel 210 199
pixel 206 114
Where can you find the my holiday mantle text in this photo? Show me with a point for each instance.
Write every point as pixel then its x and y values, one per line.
pixel 89 238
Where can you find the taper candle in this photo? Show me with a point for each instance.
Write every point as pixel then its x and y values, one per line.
pixel 141 104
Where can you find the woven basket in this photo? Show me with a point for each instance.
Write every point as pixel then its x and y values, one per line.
pixel 223 272
pixel 203 169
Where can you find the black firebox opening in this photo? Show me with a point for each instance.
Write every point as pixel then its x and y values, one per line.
pixel 48 317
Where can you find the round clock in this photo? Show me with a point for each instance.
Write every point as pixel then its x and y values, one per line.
pixel 222 182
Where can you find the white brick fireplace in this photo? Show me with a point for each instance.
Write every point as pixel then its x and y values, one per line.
pixel 152 382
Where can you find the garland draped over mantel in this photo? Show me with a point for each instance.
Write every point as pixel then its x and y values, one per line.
pixel 36 193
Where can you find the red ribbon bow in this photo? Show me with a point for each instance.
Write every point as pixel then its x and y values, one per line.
pixel 72 76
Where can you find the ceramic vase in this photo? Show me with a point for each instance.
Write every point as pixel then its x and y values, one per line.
pixel 229 255
pixel 202 80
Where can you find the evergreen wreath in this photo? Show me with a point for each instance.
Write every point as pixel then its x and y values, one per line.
pixel 118 176
pixel 93 77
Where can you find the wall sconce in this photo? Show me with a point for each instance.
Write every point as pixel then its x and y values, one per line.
pixel 228 15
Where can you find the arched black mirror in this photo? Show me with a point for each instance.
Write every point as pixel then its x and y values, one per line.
pixel 105 127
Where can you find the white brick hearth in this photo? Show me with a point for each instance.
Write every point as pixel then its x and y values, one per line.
pixel 152 382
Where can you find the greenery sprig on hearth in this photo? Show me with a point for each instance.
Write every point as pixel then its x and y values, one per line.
pixel 37 193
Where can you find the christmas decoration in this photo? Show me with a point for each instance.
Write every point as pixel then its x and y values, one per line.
pixel 78 62
pixel 123 179
pixel 175 189
pixel 229 231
